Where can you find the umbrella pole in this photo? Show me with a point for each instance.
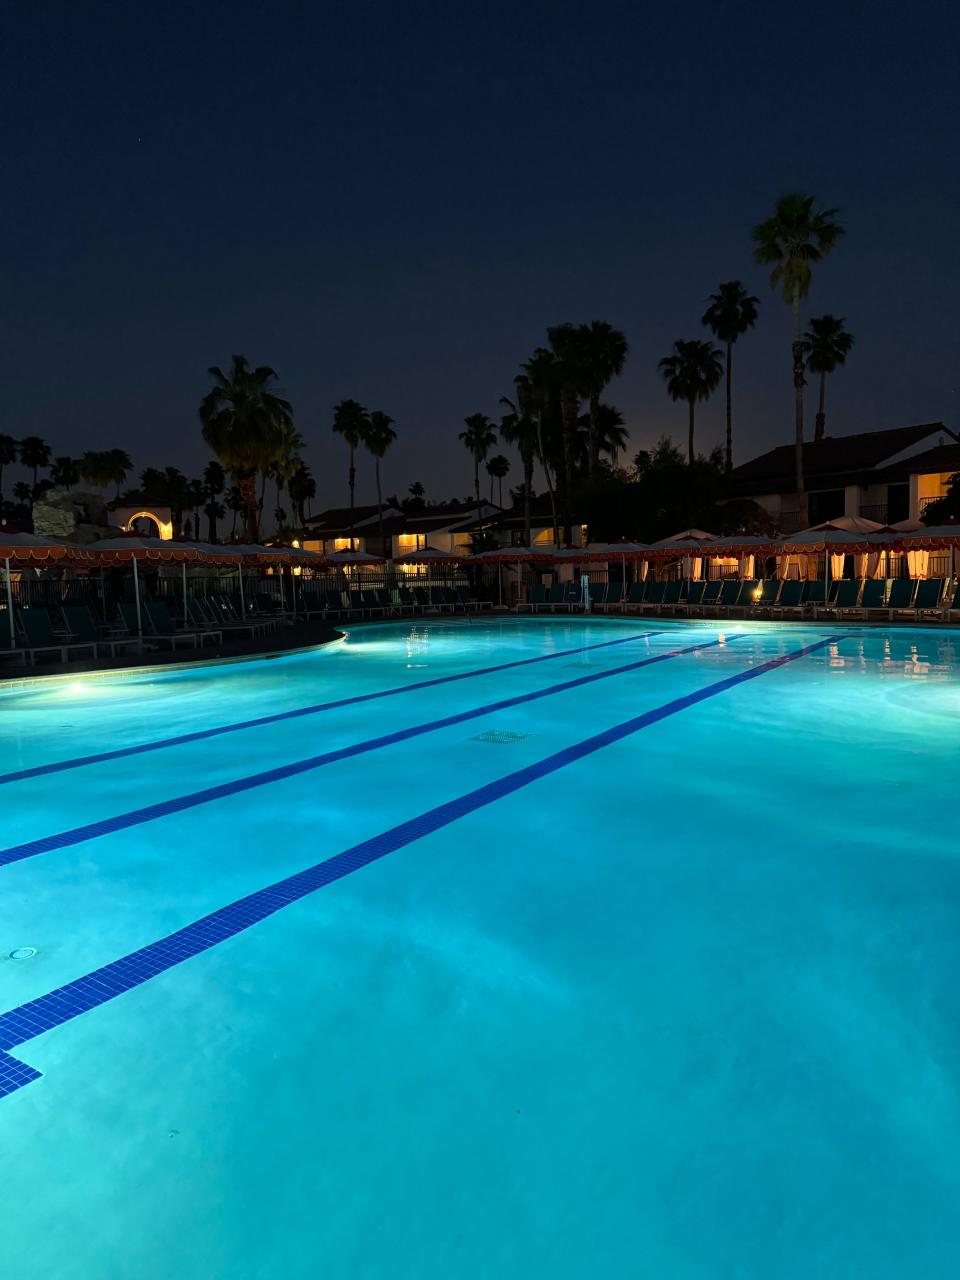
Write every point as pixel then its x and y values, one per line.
pixel 6 565
pixel 826 577
pixel 136 596
pixel 243 607
pixel 500 583
pixel 623 584
pixel 185 612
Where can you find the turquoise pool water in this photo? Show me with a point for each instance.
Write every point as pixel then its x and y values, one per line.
pixel 652 974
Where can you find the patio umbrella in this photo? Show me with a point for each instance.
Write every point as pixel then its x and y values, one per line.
pixel 828 539
pixel 131 550
pixel 33 548
pixel 429 555
pixel 513 555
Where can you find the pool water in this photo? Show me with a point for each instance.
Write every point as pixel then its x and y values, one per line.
pixel 523 948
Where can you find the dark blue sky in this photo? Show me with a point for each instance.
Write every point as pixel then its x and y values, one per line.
pixel 391 202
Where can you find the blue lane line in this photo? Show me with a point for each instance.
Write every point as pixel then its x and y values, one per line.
pixel 83 994
pixel 118 753
pixel 163 809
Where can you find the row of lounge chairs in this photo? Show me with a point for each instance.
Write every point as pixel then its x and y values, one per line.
pixel 773 597
pixel 380 602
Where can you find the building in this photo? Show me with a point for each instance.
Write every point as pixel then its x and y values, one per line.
pixel 885 476
pixel 446 527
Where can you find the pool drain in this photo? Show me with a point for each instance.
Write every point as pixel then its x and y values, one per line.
pixel 500 737
pixel 23 953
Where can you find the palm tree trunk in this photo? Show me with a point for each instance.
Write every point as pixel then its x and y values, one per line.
pixel 383 541
pixel 691 402
pixel 352 481
pixel 821 426
pixel 568 410
pixel 476 485
pixel 593 436
pixel 546 473
pixel 798 381
pixel 247 485
pixel 212 521
pixel 499 491
pixel 527 486
pixel 729 406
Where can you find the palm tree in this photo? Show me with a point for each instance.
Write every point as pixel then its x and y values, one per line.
pixel 22 492
pixel 732 311
pixel 611 435
pixel 236 504
pixel 287 458
pixel 214 483
pixel 576 381
pixel 497 467
pixel 604 350
pixel 692 372
pixel 64 472
pixel 350 422
pixel 242 419
pixel 520 429
pixel 538 397
pixel 826 345
pixel 479 439
pixel 791 240
pixel 8 455
pixel 378 436
pixel 96 468
pixel 194 500
pixel 176 492
pixel 301 487
pixel 34 454
pixel 120 465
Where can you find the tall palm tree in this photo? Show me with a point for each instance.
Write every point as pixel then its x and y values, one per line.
pixel 497 467
pixel 350 422
pixel 286 459
pixel 570 348
pixel 795 237
pixel 195 496
pixel 301 487
pixel 64 472
pixel 96 468
pixel 214 483
pixel 176 493
pixel 826 345
pixel 34 454
pixel 520 429
pixel 236 504
pixel 604 350
pixel 120 464
pixel 611 435
pixel 479 438
pixel 242 417
pixel 378 436
pixel 8 455
pixel 538 397
pixel 692 372
pixel 732 311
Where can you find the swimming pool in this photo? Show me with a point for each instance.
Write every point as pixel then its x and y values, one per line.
pixel 502 949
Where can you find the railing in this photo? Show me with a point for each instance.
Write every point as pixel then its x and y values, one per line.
pixel 875 511
pixel 924 503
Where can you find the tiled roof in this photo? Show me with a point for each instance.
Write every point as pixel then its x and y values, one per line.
pixel 830 462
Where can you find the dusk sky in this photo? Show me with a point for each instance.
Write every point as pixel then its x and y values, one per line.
pixel 392 202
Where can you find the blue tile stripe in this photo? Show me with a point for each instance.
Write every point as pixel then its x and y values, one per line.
pixel 179 804
pixel 93 989
pixel 199 735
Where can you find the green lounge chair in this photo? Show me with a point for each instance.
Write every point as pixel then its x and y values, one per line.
pixel 769 594
pixel 598 595
pixel 815 596
pixel 671 595
pixel 872 596
pixel 614 595
pixel 791 596
pixel 635 594
pixel 162 627
pixel 929 594
pixel 37 630
pixel 727 596
pixel 900 599
pixel 952 606
pixel 746 596
pixel 536 598
pixel 846 598
pixel 695 596
pixel 82 626
pixel 653 595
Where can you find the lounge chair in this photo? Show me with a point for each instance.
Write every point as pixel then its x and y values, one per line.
pixel 37 629
pixel 929 594
pixel 82 627
pixel 653 596
pixel 536 598
pixel 846 598
pixel 727 596
pixel 952 606
pixel 162 627
pixel 672 592
pixel 407 599
pixel 872 597
pixel 573 596
pixel 613 597
pixel 900 599
pixel 746 596
pixel 790 600
pixel 598 594
pixel 815 596
pixel 635 595
pixel 694 596
pixel 767 599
